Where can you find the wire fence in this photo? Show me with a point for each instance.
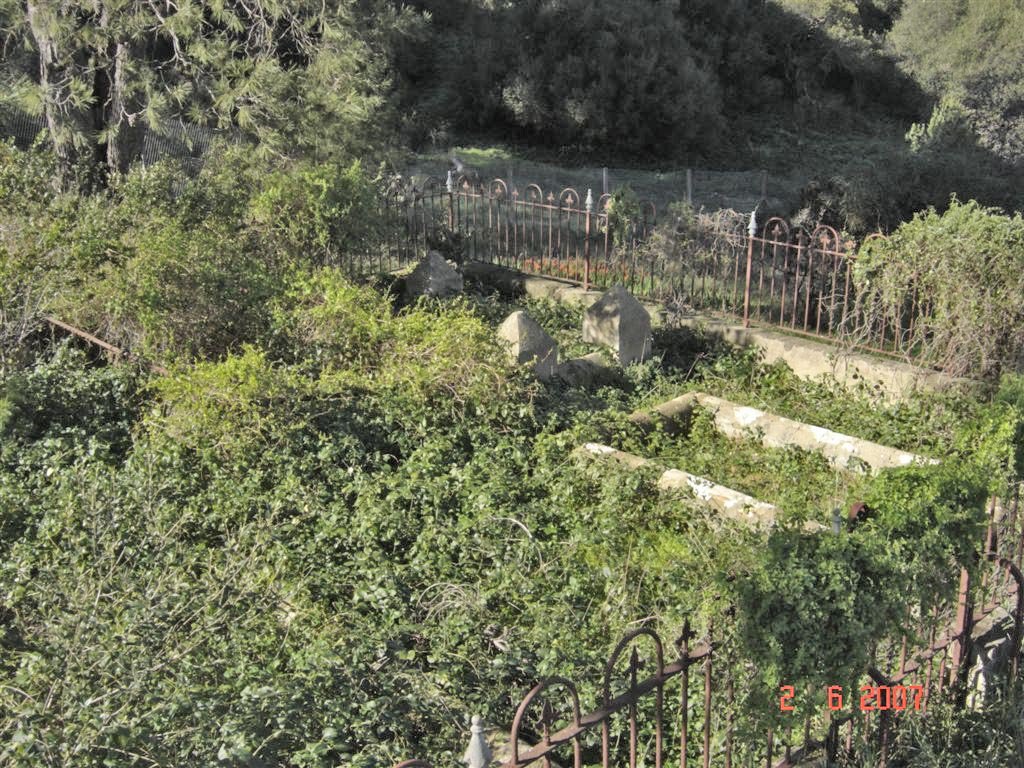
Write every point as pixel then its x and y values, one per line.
pixel 188 143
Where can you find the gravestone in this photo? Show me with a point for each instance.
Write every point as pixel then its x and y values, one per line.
pixel 619 322
pixel 528 341
pixel 433 276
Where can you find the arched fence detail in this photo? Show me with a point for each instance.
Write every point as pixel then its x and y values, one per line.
pixel 931 660
pixel 775 275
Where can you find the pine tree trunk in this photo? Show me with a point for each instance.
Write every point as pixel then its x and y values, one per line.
pixel 123 143
pixel 54 81
pixel 119 146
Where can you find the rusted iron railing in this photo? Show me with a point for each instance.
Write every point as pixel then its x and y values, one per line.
pixel 116 354
pixel 928 663
pixel 564 235
pixel 563 733
pixel 769 273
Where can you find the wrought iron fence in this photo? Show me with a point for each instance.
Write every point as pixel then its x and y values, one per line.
pixel 771 274
pixel 565 235
pixel 703 683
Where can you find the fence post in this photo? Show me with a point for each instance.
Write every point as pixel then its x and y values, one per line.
pixel 689 186
pixel 707 696
pixel 586 242
pixel 963 632
pixel 751 231
pixel 604 181
pixel 450 186
pixel 478 754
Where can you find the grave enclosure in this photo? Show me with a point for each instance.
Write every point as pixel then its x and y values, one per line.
pixel 619 323
pixel 736 266
pixel 650 671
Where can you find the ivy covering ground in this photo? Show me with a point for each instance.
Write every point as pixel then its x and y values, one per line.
pixel 340 526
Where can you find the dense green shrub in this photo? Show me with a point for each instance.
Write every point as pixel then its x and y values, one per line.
pixel 858 586
pixel 181 292
pixel 889 183
pixel 623 211
pixel 964 268
pixel 597 100
pixel 319 212
pixel 333 549
pixel 305 569
pixel 810 587
pixel 172 267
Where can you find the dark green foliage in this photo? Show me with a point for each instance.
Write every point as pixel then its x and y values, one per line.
pixel 658 79
pixel 860 585
pixel 970 51
pixel 965 267
pixel 623 211
pixel 61 398
pixel 170 267
pixel 843 590
pixel 580 80
pixel 941 157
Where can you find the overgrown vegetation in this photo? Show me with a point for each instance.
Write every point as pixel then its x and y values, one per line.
pixel 338 526
pixel 956 276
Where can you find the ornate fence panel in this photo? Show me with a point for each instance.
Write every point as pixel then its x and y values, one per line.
pixel 564 235
pixel 683 709
pixel 772 274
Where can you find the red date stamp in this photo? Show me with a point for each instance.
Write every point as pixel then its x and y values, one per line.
pixel 873 698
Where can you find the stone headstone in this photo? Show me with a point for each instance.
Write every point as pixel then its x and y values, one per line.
pixel 433 276
pixel 528 341
pixel 619 322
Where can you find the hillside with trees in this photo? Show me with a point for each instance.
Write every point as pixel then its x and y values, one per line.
pixel 883 108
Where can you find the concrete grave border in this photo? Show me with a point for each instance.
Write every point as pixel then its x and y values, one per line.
pixel 729 503
pixel 741 422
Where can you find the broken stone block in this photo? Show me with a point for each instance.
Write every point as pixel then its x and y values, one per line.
pixel 528 341
pixel 433 276
pixel 619 322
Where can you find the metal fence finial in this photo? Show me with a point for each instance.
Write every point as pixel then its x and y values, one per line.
pixel 752 226
pixel 590 201
pixel 450 182
pixel 478 755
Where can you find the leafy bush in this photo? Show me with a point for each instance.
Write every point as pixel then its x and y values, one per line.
pixel 962 269
pixel 295 566
pixel 62 397
pixel 888 184
pixel 26 178
pixel 182 292
pixel 853 588
pixel 172 267
pixel 815 586
pixel 623 212
pixel 319 212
